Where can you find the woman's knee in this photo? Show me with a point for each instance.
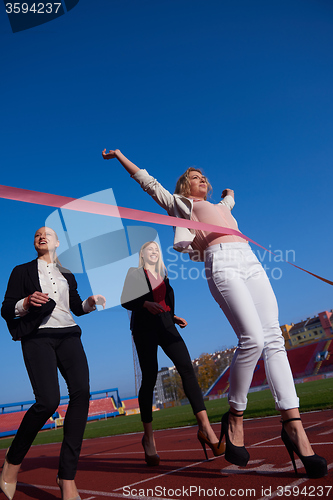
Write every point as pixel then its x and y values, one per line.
pixel 252 343
pixel 46 406
pixel 81 394
pixel 148 384
pixel 186 371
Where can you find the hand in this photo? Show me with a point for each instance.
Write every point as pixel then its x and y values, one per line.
pixel 181 322
pixel 110 155
pixel 227 192
pixel 97 300
pixel 153 307
pixel 35 299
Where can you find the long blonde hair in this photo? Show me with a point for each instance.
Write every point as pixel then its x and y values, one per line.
pixel 183 186
pixel 159 266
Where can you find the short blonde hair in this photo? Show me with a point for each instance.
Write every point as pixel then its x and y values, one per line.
pixel 183 186
pixel 159 267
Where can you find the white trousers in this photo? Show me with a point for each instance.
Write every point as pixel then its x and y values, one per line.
pixel 242 289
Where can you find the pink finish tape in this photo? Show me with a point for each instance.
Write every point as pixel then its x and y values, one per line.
pixel 79 205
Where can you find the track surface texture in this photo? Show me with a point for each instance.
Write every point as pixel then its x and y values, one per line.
pixel 114 467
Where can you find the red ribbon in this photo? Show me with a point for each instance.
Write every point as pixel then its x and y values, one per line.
pixel 94 207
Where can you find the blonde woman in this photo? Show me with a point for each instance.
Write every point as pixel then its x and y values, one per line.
pixel 37 305
pixel 242 289
pixel 149 295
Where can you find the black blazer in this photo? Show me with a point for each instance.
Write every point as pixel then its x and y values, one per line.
pixel 24 281
pixel 137 289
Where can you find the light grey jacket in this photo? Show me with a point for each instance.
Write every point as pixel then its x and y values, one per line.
pixel 177 206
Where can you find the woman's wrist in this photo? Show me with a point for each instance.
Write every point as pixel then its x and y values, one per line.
pixel 26 303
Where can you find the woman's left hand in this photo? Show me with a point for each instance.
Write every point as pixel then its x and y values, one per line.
pixel 97 300
pixel 181 322
pixel 227 192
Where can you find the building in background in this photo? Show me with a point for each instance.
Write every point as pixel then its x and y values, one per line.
pixel 309 330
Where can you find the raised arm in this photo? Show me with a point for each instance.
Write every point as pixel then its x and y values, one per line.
pixel 148 183
pixel 126 163
pixel 228 198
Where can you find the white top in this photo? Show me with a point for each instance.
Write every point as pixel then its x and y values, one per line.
pixel 56 286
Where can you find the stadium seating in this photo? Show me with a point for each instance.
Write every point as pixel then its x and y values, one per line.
pixel 305 361
pixel 103 407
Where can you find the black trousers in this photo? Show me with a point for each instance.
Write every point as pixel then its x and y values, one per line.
pixel 43 354
pixel 162 332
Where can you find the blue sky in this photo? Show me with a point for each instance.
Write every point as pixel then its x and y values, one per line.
pixel 241 89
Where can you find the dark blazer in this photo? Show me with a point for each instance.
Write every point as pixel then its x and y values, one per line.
pixel 24 281
pixel 137 289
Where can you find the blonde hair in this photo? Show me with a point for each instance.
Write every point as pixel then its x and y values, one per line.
pixel 183 186
pixel 159 266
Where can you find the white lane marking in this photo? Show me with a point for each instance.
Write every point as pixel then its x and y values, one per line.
pixel 139 452
pixel 166 473
pixel 325 433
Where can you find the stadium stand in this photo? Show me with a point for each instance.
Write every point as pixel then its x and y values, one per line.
pixel 307 360
pixel 131 405
pixel 259 375
pixel 302 359
pixel 99 407
pixel 326 365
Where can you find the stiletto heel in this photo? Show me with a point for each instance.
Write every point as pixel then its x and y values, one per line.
pixel 315 465
pixel 7 488
pixel 62 495
pixel 215 447
pixel 203 444
pixel 150 460
pixel 237 455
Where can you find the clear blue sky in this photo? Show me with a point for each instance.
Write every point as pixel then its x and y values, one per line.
pixel 241 89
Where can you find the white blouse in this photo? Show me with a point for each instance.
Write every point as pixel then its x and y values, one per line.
pixel 56 286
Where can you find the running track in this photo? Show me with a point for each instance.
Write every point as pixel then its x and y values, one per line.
pixel 114 467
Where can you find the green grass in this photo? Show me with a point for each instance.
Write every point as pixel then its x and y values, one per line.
pixel 317 395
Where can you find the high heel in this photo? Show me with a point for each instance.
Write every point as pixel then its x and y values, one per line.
pixel 315 465
pixel 60 486
pixel 150 460
pixel 7 488
pixel 237 455
pixel 217 448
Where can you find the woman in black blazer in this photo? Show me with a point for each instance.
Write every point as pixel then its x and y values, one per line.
pixel 149 295
pixel 37 304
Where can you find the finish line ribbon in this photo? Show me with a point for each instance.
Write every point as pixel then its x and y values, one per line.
pixel 94 207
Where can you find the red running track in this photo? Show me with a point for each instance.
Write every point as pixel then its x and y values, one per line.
pixel 114 467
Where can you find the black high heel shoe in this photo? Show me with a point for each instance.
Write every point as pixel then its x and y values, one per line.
pixel 217 448
pixel 237 455
pixel 315 465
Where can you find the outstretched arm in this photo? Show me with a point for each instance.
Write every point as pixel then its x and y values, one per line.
pixel 228 198
pixel 146 181
pixel 228 192
pixel 126 163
